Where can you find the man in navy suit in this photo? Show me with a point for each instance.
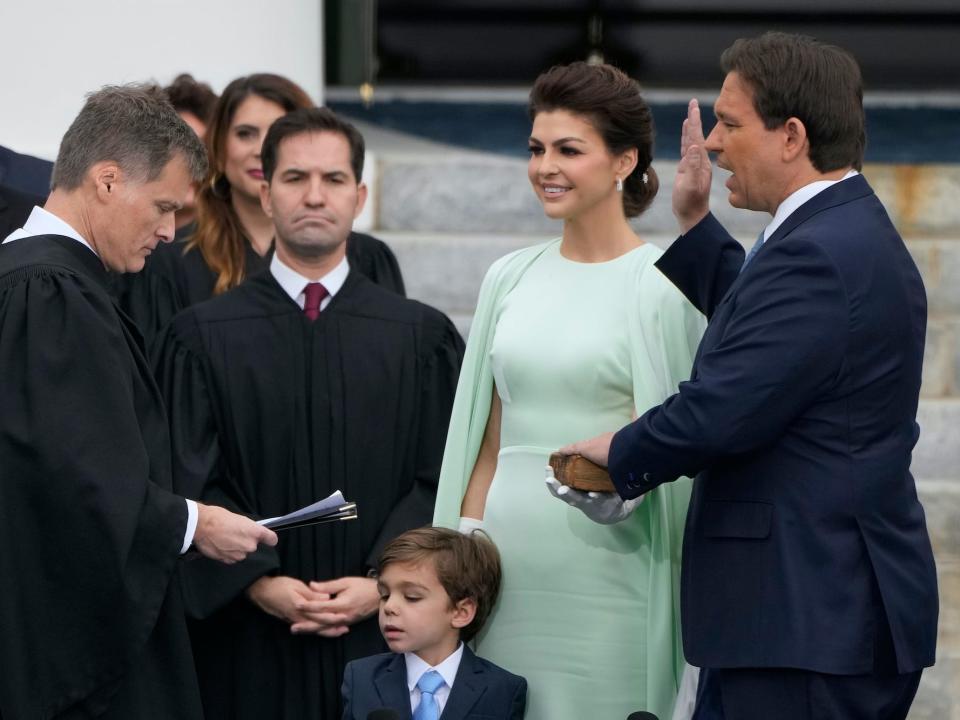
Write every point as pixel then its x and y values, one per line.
pixel 808 582
pixel 437 588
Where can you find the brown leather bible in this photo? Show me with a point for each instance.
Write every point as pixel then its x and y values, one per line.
pixel 580 473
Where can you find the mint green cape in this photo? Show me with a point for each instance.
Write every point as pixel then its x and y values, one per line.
pixel 663 333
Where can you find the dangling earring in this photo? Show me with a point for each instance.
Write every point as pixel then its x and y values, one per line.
pixel 220 186
pixel 619 185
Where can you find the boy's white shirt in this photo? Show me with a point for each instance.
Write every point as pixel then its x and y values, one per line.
pixel 416 667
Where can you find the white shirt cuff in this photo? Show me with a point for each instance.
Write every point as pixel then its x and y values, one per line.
pixel 191 525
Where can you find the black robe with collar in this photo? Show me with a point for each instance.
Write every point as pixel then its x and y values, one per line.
pixel 91 624
pixel 174 278
pixel 270 412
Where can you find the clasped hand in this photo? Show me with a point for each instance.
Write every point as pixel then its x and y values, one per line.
pixel 327 609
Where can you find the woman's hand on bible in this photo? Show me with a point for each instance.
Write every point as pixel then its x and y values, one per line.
pixel 603 508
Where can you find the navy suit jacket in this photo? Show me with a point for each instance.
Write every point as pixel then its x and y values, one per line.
pixel 481 690
pixel 798 422
pixel 24 173
pixel 15 208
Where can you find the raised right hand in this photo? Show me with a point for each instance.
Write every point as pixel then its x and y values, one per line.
pixel 226 536
pixel 691 186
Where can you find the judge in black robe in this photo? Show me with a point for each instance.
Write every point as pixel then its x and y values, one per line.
pixel 91 621
pixel 90 528
pixel 271 410
pixel 173 279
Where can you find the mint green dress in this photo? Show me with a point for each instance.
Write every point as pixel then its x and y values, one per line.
pixel 588 613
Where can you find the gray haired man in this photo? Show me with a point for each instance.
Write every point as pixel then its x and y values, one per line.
pixel 91 621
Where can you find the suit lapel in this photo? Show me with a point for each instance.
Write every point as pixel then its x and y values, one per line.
pixel 391 684
pixel 838 194
pixel 468 686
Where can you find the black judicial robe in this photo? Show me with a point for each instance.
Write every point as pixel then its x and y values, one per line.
pixel 172 280
pixel 270 412
pixel 91 624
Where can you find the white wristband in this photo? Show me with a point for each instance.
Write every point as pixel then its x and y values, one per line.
pixel 467 525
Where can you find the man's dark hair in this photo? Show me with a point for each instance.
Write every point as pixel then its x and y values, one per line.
pixel 132 125
pixel 468 566
pixel 188 95
pixel 306 120
pixel 611 101
pixel 819 84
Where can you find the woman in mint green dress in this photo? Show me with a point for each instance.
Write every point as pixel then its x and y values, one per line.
pixel 573 338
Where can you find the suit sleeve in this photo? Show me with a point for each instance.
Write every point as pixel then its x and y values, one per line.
pixel 440 369
pixel 703 264
pixel 782 346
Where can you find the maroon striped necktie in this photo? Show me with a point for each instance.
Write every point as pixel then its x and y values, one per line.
pixel 314 293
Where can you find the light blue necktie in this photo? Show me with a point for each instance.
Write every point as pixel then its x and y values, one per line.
pixel 753 251
pixel 428 683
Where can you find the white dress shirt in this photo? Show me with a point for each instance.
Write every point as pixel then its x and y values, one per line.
pixel 797 198
pixel 42 222
pixel 293 283
pixel 416 667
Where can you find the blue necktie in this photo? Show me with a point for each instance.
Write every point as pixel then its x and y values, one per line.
pixel 753 251
pixel 428 709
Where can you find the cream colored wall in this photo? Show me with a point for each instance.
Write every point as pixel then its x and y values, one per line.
pixel 55 51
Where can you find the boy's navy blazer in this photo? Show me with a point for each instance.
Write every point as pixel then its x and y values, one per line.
pixel 481 690
pixel 804 529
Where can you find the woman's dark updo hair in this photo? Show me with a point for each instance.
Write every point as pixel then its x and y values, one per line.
pixel 611 101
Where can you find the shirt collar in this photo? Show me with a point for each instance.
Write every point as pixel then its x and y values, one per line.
pixel 416 667
pixel 43 222
pixel 293 282
pixel 797 198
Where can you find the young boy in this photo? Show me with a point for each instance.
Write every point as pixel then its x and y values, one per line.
pixel 437 587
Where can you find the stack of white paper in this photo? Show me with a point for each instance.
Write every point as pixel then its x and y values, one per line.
pixel 327 510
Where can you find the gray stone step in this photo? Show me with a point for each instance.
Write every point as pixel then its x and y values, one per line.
pixel 475 193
